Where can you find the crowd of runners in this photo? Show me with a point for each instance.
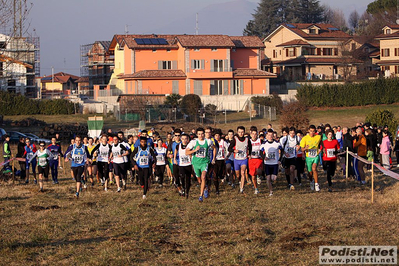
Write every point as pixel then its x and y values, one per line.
pixel 208 157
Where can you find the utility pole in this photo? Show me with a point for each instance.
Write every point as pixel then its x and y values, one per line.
pixel 52 83
pixel 196 24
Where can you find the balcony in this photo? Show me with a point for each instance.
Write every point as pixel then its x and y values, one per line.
pixel 206 74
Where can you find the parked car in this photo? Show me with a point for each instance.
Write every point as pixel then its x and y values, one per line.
pixel 15 135
pixel 37 139
pixel 2 133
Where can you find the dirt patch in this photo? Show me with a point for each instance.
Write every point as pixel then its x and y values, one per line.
pixel 302 245
pixel 295 236
pixel 37 208
pixel 90 204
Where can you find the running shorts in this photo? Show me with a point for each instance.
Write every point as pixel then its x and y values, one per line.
pixel 271 169
pixel 311 161
pixel 199 168
pixel 254 165
pixel 239 163
pixel 228 161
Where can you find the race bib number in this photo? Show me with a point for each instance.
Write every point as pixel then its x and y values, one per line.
pixel 29 156
pixel 271 155
pixel 42 161
pixel 116 154
pixel 200 153
pixel 312 153
pixel 185 160
pixel 220 154
pixel 290 150
pixel 78 159
pixel 104 154
pixel 330 153
pixel 255 154
pixel 241 155
pixel 143 160
pixel 54 154
pixel 160 159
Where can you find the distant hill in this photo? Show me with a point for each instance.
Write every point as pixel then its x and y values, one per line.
pixel 214 19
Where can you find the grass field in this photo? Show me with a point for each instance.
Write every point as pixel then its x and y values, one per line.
pixel 110 228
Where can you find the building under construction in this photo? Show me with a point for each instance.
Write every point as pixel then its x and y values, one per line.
pixel 96 66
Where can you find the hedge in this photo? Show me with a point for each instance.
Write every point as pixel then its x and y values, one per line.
pixel 379 91
pixel 15 104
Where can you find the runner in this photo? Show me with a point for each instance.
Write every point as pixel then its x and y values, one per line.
pixel 239 146
pixel 185 167
pixel 43 156
pixel 103 159
pixel 200 149
pixel 231 175
pixel 330 151
pixel 175 168
pixel 290 146
pixel 255 163
pixel 55 158
pixel 92 161
pixel 310 144
pixel 220 164
pixel 210 173
pixel 30 149
pixel 300 160
pixel 6 151
pixel 20 155
pixel 270 152
pixel 119 159
pixel 160 152
pixel 78 154
pixel 143 157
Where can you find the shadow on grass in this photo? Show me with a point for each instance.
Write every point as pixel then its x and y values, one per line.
pixel 13 198
pixel 57 243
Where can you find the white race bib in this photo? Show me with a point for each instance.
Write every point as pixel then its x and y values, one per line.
pixel 185 159
pixel 331 153
pixel 271 155
pixel 312 153
pixel 241 155
pixel 290 150
pixel 143 160
pixel 78 159
pixel 29 156
pixel 42 161
pixel 160 159
pixel 200 153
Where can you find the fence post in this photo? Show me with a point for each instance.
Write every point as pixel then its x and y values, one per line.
pixel 347 163
pixel 372 181
pixel 225 116
pixel 259 112
pixel 250 115
pixel 270 113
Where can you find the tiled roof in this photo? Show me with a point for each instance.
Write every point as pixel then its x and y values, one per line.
pixel 105 44
pixel 388 62
pixel 315 60
pixel 375 53
pixel 247 42
pixel 198 41
pixel 117 39
pixel 295 42
pixel 393 26
pixel 394 35
pixel 82 79
pixel 155 74
pixel 129 40
pixel 4 58
pixel 325 31
pixel 240 72
pixel 59 77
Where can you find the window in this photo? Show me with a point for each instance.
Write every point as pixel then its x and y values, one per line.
pixel 196 64
pixel 235 90
pixel 312 31
pixel 388 31
pixel 165 64
pixel 196 50
pixel 274 53
pixel 217 65
pixel 396 69
pixel 318 51
pixel 385 52
pixel 168 50
pixel 214 49
pixel 327 51
pixel 292 52
pixel 384 68
pixel 353 46
pixel 154 50
pixel 216 87
pixel 396 51
pixel 233 50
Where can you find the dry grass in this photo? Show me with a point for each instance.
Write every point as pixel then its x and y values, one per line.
pixel 107 228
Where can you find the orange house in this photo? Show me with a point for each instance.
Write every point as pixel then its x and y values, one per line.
pixel 221 69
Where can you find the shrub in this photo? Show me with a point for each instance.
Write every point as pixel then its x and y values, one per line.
pixel 380 91
pixel 273 100
pixel 190 104
pixel 383 117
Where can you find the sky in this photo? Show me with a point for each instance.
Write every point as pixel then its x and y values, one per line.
pixel 65 25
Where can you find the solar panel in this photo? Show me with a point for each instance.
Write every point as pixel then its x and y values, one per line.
pixel 147 41
pixel 333 28
pixel 290 25
pixel 154 41
pixel 162 41
pixel 139 41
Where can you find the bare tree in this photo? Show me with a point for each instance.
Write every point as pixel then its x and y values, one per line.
pixel 335 17
pixel 354 20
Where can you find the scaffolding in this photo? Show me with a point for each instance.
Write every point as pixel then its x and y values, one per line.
pixel 96 66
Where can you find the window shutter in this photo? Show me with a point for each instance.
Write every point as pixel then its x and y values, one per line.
pixel 198 87
pixel 212 65
pixel 160 64
pixel 318 51
pixel 192 64
pixel 335 51
pixel 286 52
pixel 232 87
pixel 175 86
pixel 232 64
pixel 226 66
pixel 212 87
pixel 225 87
pixel 242 87
pixel 294 51
pixel 174 64
pixel 387 51
pixel 202 64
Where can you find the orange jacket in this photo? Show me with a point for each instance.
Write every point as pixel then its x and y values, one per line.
pixel 361 145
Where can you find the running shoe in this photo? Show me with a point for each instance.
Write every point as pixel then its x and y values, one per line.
pixel 200 199
pixel 312 185
pixel 217 192
pixel 317 187
pixel 241 190
pixel 54 183
pixel 35 181
pixel 229 183
pixel 329 189
pixel 84 186
pixel 363 182
pixel 271 194
pixel 300 184
pixel 105 189
pixel 124 186
pixel 206 193
pixel 258 180
pixel 144 197
pixel 256 191
pixel 292 187
pixel 119 189
pixel 41 190
pixel 77 194
pixel 27 181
